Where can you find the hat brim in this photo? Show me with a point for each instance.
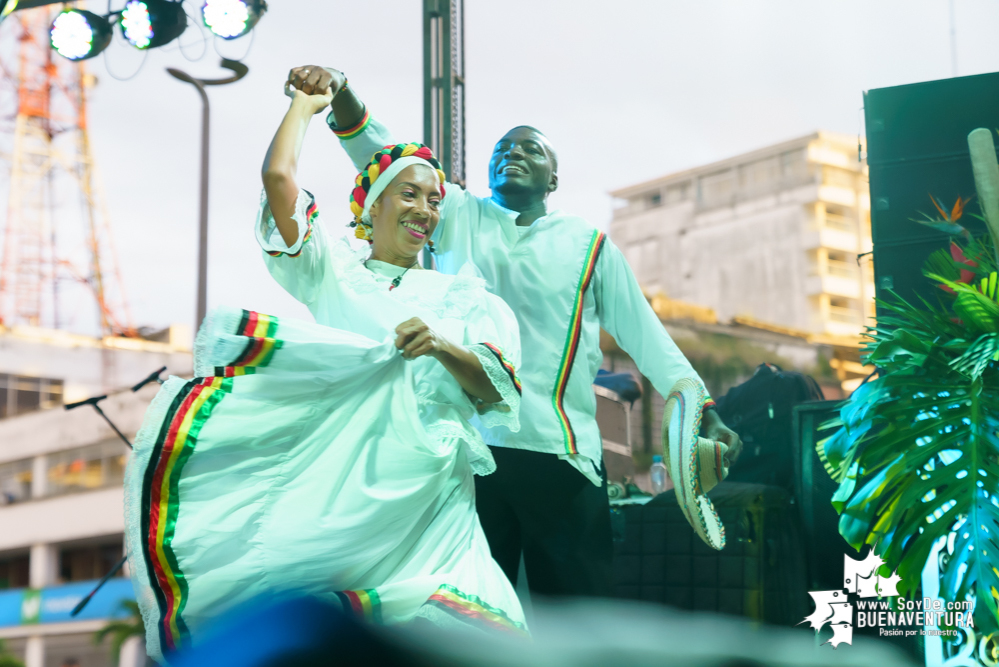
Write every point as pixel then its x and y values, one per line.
pixel 695 464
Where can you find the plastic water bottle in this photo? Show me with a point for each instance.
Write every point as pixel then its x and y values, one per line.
pixel 658 474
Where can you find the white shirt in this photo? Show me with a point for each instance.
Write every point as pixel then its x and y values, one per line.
pixel 563 279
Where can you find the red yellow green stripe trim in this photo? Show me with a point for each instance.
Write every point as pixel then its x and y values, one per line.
pixel 572 341
pixel 364 604
pixel 467 607
pixel 353 131
pixel 178 438
pixel 693 461
pixel 261 344
pixel 190 410
pixel 507 366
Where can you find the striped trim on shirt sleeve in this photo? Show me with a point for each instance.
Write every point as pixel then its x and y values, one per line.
pixel 353 130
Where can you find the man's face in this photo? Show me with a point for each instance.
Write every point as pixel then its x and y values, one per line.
pixel 523 164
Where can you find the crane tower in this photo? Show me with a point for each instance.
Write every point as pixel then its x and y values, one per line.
pixel 49 261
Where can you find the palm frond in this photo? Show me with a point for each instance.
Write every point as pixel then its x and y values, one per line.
pixel 941 263
pixel 122 629
pixel 973 362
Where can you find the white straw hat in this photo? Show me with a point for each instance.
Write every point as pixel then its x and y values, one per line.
pixel 696 465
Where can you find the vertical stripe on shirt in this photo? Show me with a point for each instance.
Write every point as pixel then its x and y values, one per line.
pixel 572 341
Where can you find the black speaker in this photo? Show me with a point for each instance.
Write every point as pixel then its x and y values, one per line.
pixel 917 146
pixel 814 488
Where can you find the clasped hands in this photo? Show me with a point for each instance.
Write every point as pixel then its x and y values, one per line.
pixel 314 86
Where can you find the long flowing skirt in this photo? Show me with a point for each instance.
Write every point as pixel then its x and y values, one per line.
pixel 296 461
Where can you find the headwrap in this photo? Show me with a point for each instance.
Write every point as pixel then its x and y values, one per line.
pixel 385 165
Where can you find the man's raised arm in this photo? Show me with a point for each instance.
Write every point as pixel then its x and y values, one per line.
pixel 360 135
pixel 628 317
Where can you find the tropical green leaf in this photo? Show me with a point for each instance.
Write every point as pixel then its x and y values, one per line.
pixel 8 659
pixel 978 311
pixel 931 467
pixel 973 362
pixel 901 342
pixel 916 451
pixel 979 250
pixel 122 629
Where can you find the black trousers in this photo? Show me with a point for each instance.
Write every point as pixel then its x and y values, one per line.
pixel 539 505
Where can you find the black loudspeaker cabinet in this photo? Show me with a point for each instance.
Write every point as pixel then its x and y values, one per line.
pixel 917 146
pixel 760 574
pixel 814 489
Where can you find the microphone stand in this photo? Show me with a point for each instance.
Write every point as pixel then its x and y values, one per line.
pixel 152 377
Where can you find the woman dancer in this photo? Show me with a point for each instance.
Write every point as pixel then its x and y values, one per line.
pixel 333 460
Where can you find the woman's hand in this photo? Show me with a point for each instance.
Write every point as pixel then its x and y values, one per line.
pixel 416 339
pixel 311 104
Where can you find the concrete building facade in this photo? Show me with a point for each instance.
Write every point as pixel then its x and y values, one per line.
pixel 772 236
pixel 61 473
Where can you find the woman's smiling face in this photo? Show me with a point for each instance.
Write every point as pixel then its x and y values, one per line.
pixel 406 214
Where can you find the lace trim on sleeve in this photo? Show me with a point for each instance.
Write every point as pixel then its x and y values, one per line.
pixel 476 451
pixel 268 236
pixel 504 378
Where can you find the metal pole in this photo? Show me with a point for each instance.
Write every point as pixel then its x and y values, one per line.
pixel 203 213
pixel 444 87
pixel 444 84
pixel 240 71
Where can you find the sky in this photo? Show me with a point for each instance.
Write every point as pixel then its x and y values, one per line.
pixel 626 91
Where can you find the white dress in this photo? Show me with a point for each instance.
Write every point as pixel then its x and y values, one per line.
pixel 314 458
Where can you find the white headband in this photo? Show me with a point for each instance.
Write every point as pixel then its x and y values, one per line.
pixel 385 179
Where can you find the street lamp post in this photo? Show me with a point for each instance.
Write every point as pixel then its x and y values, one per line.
pixel 239 71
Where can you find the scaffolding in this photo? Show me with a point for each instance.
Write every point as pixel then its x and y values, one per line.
pixel 42 270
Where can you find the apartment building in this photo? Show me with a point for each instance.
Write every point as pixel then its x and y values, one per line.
pixel 61 473
pixel 780 235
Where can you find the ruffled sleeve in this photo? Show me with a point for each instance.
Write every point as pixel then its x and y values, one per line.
pixel 493 336
pixel 299 268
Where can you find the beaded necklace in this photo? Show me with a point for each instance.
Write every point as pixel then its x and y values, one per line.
pixel 398 279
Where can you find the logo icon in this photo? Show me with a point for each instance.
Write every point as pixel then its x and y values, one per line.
pixel 31 606
pixel 834 607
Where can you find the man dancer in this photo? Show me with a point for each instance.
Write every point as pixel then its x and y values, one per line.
pixel 564 280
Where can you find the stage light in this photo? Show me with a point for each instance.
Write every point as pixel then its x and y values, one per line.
pixel 147 24
pixel 230 19
pixel 77 34
pixel 6 7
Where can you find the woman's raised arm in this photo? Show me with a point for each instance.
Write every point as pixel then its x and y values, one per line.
pixel 281 162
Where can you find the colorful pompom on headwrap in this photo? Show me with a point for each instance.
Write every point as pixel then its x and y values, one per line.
pixel 385 165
